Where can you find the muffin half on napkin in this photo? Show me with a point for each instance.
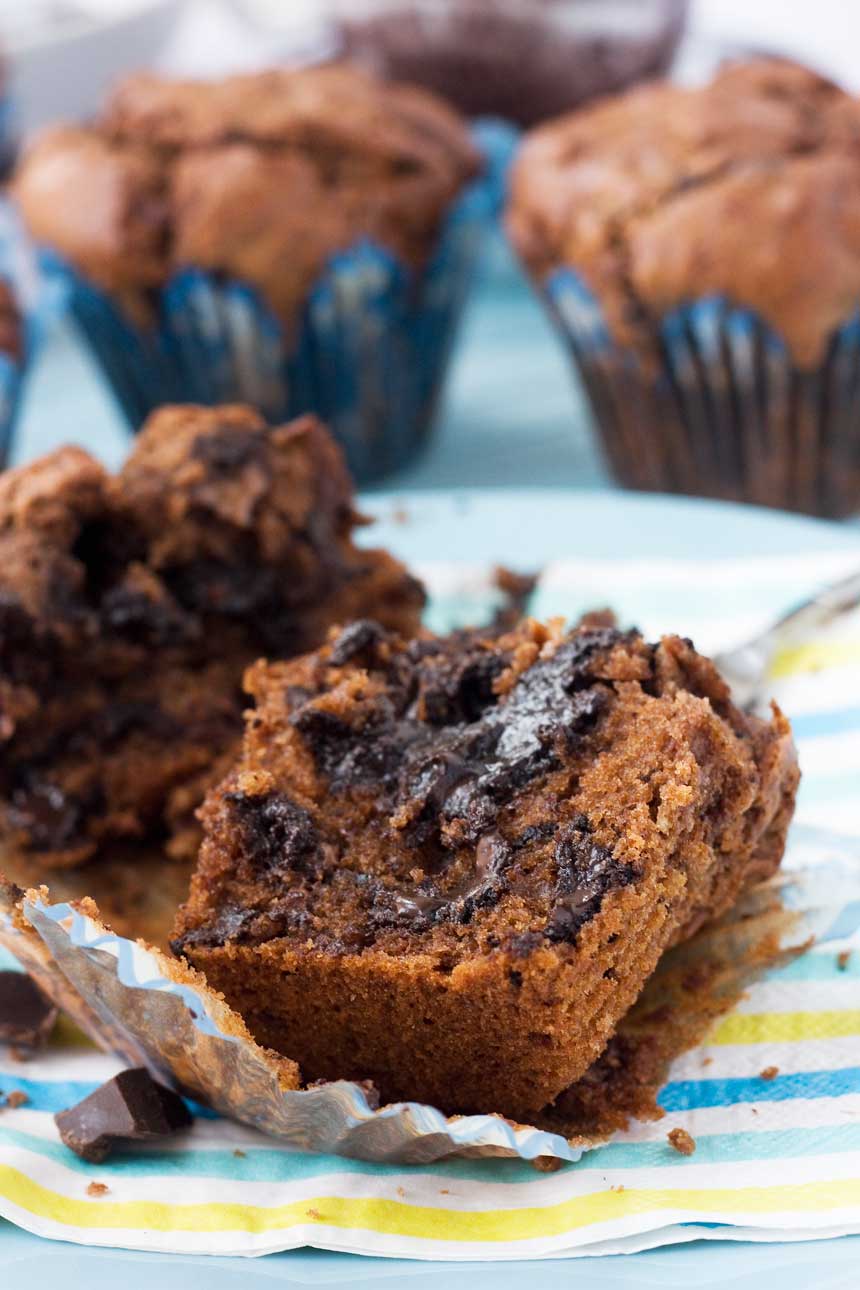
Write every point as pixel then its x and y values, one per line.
pixel 450 866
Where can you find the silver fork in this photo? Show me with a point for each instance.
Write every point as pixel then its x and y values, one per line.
pixel 746 666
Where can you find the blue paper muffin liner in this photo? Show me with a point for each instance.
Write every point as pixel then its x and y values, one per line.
pixel 11 374
pixel 368 352
pixel 36 303
pixel 721 410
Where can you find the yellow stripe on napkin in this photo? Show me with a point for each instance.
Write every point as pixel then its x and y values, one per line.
pixel 814 656
pixel 423 1222
pixel 785 1027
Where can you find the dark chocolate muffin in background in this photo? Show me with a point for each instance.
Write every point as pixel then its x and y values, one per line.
pixel 700 252
pixel 299 240
pixel 524 60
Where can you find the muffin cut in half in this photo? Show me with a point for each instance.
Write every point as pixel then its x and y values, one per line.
pixel 449 866
pixel 131 605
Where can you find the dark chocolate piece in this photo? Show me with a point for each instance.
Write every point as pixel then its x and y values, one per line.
pixel 26 1015
pixel 452 746
pixel 131 1107
pixel 585 873
pixel 278 834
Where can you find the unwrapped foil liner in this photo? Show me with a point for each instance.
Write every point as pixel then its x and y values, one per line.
pixel 152 1010
pixel 720 410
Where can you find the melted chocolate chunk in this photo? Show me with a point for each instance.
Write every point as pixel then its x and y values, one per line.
pixel 586 871
pixel 278 835
pixel 420 909
pixel 50 818
pixel 441 740
pixel 139 618
pixel 26 1015
pixel 247 926
pixel 455 690
pixel 129 1107
pixel 359 638
pixel 347 756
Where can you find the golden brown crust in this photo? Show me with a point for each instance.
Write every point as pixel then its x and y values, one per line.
pixel 237 176
pixel 747 188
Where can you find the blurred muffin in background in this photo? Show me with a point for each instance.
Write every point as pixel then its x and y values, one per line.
pixel 298 240
pixel 700 252
pixel 523 60
pixel 13 356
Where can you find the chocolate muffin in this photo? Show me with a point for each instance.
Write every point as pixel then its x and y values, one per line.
pixel 130 606
pixel 699 251
pixel 520 61
pixel 449 866
pixel 297 239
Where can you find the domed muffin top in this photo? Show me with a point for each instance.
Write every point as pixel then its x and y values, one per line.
pixel 257 177
pixel 747 188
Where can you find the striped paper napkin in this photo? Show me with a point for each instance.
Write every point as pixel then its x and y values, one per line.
pixel 777 1155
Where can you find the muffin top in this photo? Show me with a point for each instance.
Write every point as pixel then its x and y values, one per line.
pixel 747 188
pixel 259 177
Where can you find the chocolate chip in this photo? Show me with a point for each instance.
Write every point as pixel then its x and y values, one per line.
pixel 129 1107
pixel 454 750
pixel 49 818
pixel 246 926
pixel 277 834
pixel 26 1015
pixel 586 871
pixel 523 944
pixel 143 620
pixel 536 833
pixel 359 638
pixel 459 690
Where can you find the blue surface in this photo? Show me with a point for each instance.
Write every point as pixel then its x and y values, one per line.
pixel 512 417
pixel 826 1265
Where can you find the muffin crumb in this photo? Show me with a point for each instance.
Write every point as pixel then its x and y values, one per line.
pixel 547 1164
pixel 769 1073
pixel 97 1189
pixel 681 1141
pixel 843 958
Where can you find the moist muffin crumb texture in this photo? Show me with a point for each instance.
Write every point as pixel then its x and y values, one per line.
pixel 130 606
pixel 449 866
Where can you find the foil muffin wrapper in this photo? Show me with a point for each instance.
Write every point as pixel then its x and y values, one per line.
pixel 150 1009
pixel 367 352
pixel 721 411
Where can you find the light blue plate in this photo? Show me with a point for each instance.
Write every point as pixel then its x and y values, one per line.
pixel 522 529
